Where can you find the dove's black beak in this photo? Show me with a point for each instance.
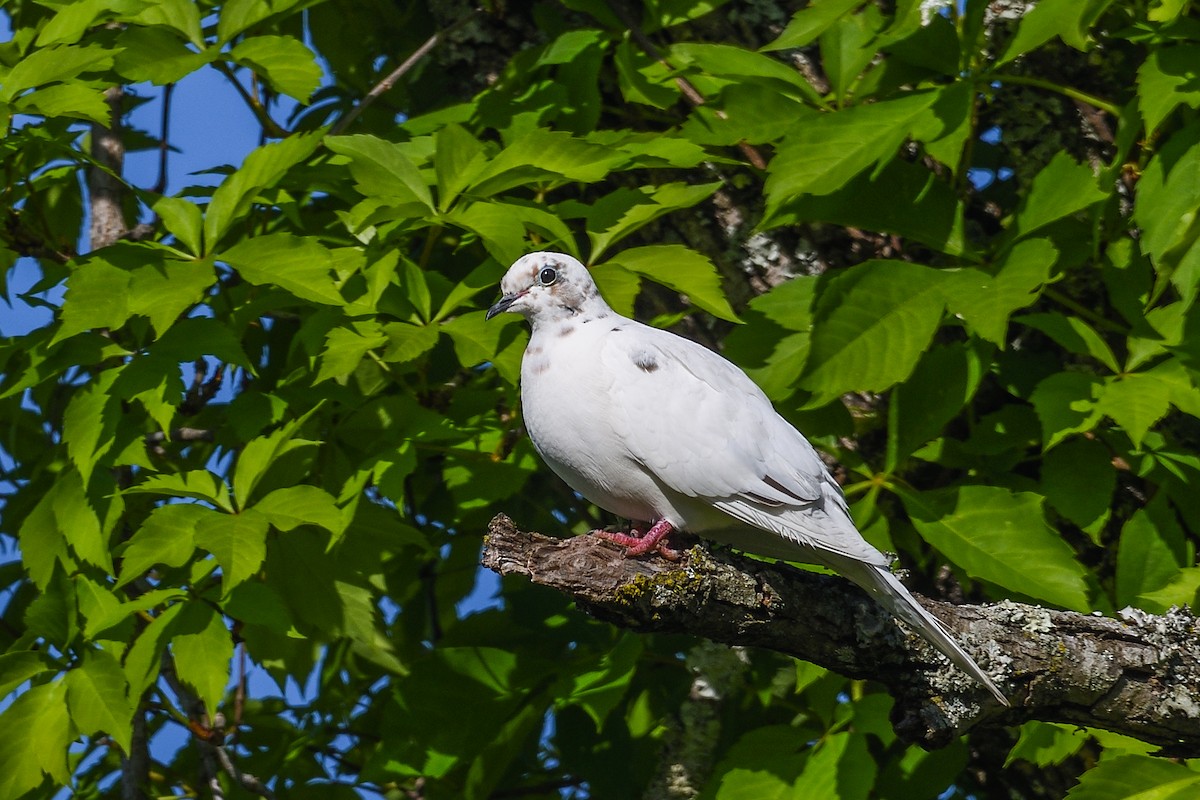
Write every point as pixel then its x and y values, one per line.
pixel 502 305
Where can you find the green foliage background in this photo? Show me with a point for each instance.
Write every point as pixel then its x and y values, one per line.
pixel 1007 372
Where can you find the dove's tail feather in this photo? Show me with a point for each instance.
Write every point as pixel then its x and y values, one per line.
pixel 892 594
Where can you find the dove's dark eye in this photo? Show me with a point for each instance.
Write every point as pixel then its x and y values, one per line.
pixel 547 276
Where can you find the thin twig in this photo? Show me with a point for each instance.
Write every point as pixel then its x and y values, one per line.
pixel 399 72
pixel 180 435
pixel 164 148
pixel 689 91
pixel 269 126
pixel 245 779
pixel 1066 91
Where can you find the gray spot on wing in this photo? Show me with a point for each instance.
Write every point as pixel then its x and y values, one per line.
pixel 645 361
pixel 566 330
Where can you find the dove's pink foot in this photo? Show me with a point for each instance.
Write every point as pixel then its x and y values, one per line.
pixel 637 543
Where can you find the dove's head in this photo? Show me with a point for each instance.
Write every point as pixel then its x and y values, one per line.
pixel 549 287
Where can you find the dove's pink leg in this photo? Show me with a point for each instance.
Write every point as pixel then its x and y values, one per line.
pixel 637 543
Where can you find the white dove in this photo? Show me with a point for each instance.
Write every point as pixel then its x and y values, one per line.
pixel 660 430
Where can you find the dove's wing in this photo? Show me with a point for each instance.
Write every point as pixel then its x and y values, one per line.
pixel 705 430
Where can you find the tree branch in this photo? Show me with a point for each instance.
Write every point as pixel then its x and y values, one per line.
pixel 1137 675
pixel 105 187
pixel 399 72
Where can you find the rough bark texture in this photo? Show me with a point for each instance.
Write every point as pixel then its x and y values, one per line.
pixel 106 190
pixel 1137 675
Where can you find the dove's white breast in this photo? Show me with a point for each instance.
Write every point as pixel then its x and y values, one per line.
pixel 568 388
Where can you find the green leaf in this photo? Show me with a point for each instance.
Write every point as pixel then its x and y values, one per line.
pixel 825 151
pixel 1150 554
pixel 96 698
pixel 457 159
pixel 54 612
pixel 261 169
pixel 1136 778
pixel 203 648
pixel 985 300
pixel 40 715
pixel 240 15
pixel 1062 188
pixel 79 522
pixel 1044 744
pixel 261 452
pixel 548 157
pixel 1181 590
pixel 298 264
pixel 682 269
pixel 943 382
pixel 43 547
pixel 239 542
pixel 1065 403
pixel 360 622
pixel 477 340
pixel 159 56
pixel 847 47
pixel 1167 209
pixel 183 219
pixel 870 326
pixel 620 213
pixel 1078 480
pixel 197 483
pixel 1000 537
pixel 167 537
pixel 179 15
pixel 68 24
pixel 144 658
pixel 751 113
pixel 485 276
pixel 1166 80
pixel 1073 334
pixel 293 506
pixel 104 620
pixel 96 297
pixel 97 605
pixel 597 691
pixel 288 66
pixel 345 348
pixel 1135 402
pixel 642 79
pixel 841 766
pixel 165 290
pixel 931 214
pixel 1070 20
pixel 619 286
pixel 810 22
pixel 743 66
pixel 51 65
pixel 772 346
pixel 66 100
pixel 382 168
pixel 408 342
pixel 18 666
